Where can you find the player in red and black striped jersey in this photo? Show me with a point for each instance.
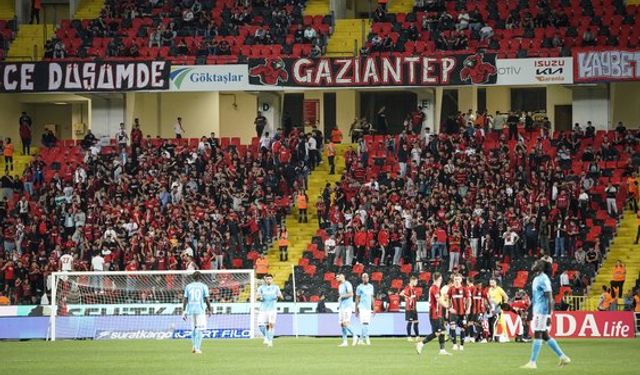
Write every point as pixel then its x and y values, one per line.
pixel 410 312
pixel 479 303
pixel 459 305
pixel 436 303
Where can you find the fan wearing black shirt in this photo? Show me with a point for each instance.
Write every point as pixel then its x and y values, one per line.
pixel 512 122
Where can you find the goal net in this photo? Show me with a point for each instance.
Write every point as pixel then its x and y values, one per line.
pixel 147 305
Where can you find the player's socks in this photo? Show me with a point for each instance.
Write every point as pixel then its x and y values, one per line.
pixel 194 339
pixel 462 337
pixel 452 334
pixel 441 341
pixel 348 330
pixel 535 350
pixel 408 329
pixel 416 330
pixel 263 330
pixel 344 334
pixel 270 335
pixel 553 344
pixel 365 331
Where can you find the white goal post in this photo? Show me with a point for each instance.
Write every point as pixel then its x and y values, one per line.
pixel 148 304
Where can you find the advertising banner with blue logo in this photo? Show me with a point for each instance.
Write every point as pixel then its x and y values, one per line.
pixel 209 78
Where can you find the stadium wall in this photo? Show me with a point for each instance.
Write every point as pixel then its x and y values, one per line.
pixel 236 121
pixel 107 112
pixel 347 109
pixel 468 99
pixel 10 108
pixel 498 99
pixel 591 103
pixel 624 104
pixel 557 95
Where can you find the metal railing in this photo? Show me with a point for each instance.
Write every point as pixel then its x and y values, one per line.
pixel 583 303
pixel 590 303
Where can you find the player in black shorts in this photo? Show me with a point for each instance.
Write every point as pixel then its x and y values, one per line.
pixel 459 305
pixel 410 296
pixel 435 316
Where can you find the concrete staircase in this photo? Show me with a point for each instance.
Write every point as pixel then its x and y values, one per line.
pixel 29 42
pixel 623 249
pixel 300 234
pixel 7 9
pixel 400 6
pixel 317 8
pixel 89 9
pixel 348 37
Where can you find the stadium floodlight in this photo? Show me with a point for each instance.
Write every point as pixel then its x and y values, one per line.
pixel 147 304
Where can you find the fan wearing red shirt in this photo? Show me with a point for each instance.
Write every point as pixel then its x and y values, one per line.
pixel 410 312
pixel 459 305
pixel 436 304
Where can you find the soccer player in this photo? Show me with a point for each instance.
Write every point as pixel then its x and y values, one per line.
pixel 542 310
pixel 345 309
pixel 436 304
pixel 479 303
pixel 196 295
pixel 268 295
pixel 410 312
pixel 459 305
pixel 364 306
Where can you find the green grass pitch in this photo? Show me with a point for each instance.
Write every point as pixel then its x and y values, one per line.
pixel 307 356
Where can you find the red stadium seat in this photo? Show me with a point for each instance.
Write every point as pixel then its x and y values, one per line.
pixel 406 269
pixel 425 277
pixel 397 284
pixel 377 277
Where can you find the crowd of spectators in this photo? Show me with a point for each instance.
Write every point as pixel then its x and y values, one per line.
pixel 189 28
pixel 471 200
pixel 496 26
pixel 148 204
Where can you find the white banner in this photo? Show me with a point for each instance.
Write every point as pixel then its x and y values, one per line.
pixel 209 78
pixel 535 71
pixel 593 66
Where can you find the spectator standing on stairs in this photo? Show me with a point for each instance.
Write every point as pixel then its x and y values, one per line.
pixel 36 5
pixel 25 133
pixel 330 250
pixel 331 156
pixel 7 151
pixel 302 203
pixel 617 281
pixel 612 192
pixel 283 243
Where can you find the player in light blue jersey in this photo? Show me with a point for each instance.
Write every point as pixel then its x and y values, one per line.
pixel 196 297
pixel 268 295
pixel 345 309
pixel 542 306
pixel 364 307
